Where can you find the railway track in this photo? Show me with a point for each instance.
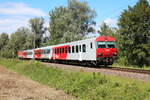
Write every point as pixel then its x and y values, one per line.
pixel 140 71
pixel 143 75
pixel 131 70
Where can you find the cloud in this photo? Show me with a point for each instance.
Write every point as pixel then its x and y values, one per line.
pixel 16 15
pixel 19 9
pixel 111 22
pixel 10 25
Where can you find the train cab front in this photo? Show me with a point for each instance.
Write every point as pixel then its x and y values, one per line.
pixel 106 51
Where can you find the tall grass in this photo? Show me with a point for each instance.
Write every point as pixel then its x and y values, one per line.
pixel 122 62
pixel 83 85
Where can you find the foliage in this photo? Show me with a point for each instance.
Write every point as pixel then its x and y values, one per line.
pixel 134 25
pixel 105 30
pixel 69 24
pixel 20 40
pixel 38 29
pixel 83 85
pixel 3 40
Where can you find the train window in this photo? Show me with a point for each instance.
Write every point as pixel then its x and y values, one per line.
pixel 69 50
pixel 55 51
pixel 83 48
pixel 72 49
pixel 80 48
pixel 45 51
pixel 58 50
pixel 101 44
pixel 48 51
pixel 111 44
pixel 29 53
pixel 77 50
pixel 66 49
pixel 62 50
pixel 91 45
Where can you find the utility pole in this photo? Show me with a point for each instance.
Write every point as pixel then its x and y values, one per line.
pixel 69 3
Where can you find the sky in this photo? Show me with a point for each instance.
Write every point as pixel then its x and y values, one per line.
pixel 16 13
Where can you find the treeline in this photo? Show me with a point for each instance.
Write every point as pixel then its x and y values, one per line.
pixel 75 21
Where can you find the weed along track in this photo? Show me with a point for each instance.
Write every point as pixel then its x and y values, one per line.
pixel 123 72
pixel 140 71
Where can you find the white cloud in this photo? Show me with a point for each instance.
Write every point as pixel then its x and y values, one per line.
pixel 19 9
pixel 10 25
pixel 111 22
pixel 16 15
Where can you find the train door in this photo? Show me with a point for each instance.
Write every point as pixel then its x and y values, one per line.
pixel 80 53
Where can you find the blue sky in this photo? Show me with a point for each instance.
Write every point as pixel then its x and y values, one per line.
pixel 16 13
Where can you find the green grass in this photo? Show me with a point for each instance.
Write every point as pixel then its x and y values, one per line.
pixel 122 62
pixel 131 66
pixel 83 85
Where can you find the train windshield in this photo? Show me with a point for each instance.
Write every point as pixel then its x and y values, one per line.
pixel 106 44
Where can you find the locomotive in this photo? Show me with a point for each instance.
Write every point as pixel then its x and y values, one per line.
pixel 100 50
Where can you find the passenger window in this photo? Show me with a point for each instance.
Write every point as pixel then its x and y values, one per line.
pixel 80 48
pixel 57 50
pixel 62 50
pixel 69 50
pixel 91 45
pixel 48 51
pixel 66 49
pixel 72 49
pixel 83 48
pixel 54 50
pixel 77 50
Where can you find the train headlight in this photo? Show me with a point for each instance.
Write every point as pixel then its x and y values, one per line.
pixel 99 54
pixel 115 54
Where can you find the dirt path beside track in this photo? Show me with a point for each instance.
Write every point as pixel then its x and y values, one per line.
pixel 16 87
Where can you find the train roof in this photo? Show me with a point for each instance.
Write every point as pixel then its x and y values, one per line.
pixel 100 38
pixel 105 38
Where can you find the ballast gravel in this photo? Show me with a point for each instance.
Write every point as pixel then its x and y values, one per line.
pixel 137 76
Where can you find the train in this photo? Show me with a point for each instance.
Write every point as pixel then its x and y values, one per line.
pixel 97 51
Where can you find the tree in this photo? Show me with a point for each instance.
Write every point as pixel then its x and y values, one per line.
pixel 38 29
pixel 134 25
pixel 4 38
pixel 105 29
pixel 17 41
pixel 69 24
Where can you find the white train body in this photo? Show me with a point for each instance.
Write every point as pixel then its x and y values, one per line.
pixel 100 49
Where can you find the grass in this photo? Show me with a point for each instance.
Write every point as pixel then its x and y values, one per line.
pixel 121 62
pixel 131 66
pixel 83 85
